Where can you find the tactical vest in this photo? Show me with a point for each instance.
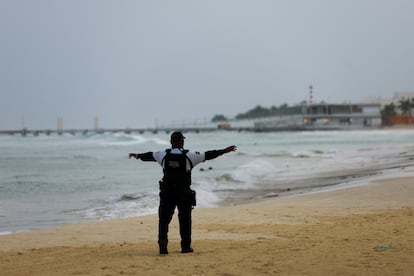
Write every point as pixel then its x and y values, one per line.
pixel 176 177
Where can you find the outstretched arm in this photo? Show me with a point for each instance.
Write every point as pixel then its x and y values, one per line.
pixel 148 156
pixel 230 148
pixel 211 154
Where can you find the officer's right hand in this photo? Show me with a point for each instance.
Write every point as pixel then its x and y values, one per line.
pixel 135 155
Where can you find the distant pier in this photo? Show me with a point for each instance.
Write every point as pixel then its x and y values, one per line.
pixel 48 132
pixel 85 132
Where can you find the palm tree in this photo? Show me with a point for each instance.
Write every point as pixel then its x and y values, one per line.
pixel 412 106
pixel 405 106
pixel 388 113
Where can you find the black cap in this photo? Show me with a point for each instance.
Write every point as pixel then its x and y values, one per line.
pixel 177 136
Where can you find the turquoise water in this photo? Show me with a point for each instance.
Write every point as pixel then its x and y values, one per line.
pixel 52 180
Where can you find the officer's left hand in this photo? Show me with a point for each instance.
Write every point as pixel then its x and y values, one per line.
pixel 230 148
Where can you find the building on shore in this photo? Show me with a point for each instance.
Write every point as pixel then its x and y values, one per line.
pixel 396 98
pixel 324 116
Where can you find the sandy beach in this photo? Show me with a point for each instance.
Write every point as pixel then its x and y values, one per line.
pixel 361 230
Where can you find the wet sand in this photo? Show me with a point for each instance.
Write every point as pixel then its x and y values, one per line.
pixel 360 230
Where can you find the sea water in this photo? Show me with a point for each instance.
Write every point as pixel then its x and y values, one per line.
pixel 52 180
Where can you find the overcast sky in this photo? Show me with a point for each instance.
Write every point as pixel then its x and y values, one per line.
pixel 132 63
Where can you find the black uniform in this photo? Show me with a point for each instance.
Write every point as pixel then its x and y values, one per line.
pixel 175 190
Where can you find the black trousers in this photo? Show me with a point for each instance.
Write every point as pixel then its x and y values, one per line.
pixel 168 202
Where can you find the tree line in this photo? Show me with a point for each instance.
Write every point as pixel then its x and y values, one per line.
pixel 260 112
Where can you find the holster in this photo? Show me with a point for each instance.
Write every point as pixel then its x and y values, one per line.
pixel 193 198
pixel 162 185
pixel 188 195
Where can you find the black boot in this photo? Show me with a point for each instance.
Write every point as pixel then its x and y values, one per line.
pixel 187 250
pixel 163 247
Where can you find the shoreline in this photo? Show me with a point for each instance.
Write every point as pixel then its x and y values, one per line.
pixel 333 181
pixel 367 228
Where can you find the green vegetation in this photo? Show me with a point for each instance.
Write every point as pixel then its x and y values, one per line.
pixel 260 112
pixel 219 118
pixel 388 113
pixel 405 105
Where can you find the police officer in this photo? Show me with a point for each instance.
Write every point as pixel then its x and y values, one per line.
pixel 175 191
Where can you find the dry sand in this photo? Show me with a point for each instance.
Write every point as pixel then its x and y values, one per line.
pixel 363 230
